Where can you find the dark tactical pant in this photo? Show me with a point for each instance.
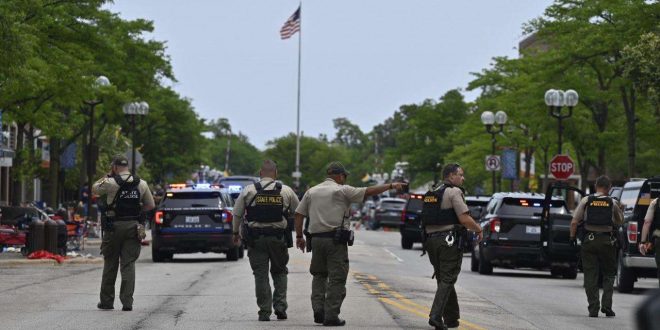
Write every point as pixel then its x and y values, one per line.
pixel 120 249
pixel 269 252
pixel 656 248
pixel 598 254
pixel 446 261
pixel 329 269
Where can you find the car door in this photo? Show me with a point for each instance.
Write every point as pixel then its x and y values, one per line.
pixel 555 227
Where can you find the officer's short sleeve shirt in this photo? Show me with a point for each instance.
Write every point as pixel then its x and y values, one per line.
pixel 289 201
pixel 327 204
pixel 452 198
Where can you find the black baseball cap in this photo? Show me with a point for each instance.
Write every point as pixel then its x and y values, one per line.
pixel 119 160
pixel 336 168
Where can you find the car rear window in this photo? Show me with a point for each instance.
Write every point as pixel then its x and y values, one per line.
pixel 414 205
pixel 393 205
pixel 629 197
pixel 530 207
pixel 193 199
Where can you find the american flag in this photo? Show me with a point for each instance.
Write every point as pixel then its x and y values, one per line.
pixel 291 26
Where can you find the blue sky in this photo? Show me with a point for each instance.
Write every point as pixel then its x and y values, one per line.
pixel 360 59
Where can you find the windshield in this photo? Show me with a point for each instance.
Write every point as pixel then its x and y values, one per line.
pixel 629 198
pixel 530 207
pixel 192 199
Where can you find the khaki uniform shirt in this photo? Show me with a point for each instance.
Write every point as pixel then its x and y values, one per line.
pixel 107 188
pixel 650 213
pixel 452 198
pixel 289 199
pixel 581 214
pixel 327 204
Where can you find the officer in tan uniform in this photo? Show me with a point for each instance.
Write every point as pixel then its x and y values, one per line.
pixel 600 214
pixel 652 218
pixel 444 218
pixel 265 207
pixel 125 197
pixel 326 206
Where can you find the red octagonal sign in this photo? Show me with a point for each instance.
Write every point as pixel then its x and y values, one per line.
pixel 562 167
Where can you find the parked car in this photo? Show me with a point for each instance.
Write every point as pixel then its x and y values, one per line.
pixel 411 226
pixel 635 198
pixel 477 205
pixel 194 218
pixel 235 183
pixel 512 234
pixel 388 212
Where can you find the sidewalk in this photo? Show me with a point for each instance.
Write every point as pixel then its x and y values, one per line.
pixel 90 255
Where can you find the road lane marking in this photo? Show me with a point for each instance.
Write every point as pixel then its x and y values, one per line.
pixel 399 300
pixel 393 255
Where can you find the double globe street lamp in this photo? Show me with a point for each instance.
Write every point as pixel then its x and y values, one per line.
pixel 490 120
pixel 92 150
pixel 557 99
pixel 133 110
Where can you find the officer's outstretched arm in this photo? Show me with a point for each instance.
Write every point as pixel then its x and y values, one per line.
pixel 381 188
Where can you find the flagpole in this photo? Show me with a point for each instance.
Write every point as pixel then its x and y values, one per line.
pixel 298 174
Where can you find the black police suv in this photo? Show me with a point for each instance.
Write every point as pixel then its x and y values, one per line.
pixel 635 199
pixel 512 235
pixel 194 218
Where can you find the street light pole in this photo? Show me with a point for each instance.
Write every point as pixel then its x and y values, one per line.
pixel 555 100
pixel 132 110
pixel 489 119
pixel 92 153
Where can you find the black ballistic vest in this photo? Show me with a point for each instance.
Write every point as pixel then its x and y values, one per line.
pixel 127 203
pixel 432 214
pixel 267 205
pixel 599 211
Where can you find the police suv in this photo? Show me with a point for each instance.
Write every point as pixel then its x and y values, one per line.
pixel 194 218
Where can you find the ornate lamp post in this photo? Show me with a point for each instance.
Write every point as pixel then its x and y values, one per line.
pixel 489 120
pixel 92 150
pixel 556 100
pixel 132 110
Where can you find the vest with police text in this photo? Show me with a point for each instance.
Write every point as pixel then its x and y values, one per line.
pixel 432 214
pixel 267 205
pixel 599 211
pixel 127 201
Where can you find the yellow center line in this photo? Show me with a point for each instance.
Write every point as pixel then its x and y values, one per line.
pixel 419 310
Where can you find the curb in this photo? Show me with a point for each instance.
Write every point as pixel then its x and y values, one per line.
pixel 75 261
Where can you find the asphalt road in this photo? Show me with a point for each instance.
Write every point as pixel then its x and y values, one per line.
pixel 388 288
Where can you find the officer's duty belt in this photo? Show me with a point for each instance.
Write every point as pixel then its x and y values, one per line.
pixel 599 233
pixel 267 231
pixel 328 234
pixel 438 234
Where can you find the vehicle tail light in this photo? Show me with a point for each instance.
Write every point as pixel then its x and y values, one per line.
pixel 227 216
pixel 495 225
pixel 632 232
pixel 403 216
pixel 158 218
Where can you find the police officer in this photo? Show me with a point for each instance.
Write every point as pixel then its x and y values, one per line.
pixel 445 216
pixel 265 206
pixel 652 218
pixel 126 197
pixel 326 206
pixel 599 214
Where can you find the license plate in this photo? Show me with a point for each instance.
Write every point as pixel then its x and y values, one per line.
pixel 533 229
pixel 190 219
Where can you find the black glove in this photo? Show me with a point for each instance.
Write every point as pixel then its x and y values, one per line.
pixel 573 242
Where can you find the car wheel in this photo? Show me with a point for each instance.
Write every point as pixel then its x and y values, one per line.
pixel 555 271
pixel 406 242
pixel 474 262
pixel 232 254
pixel 570 273
pixel 625 277
pixel 485 267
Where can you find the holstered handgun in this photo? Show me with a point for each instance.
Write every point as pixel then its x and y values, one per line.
pixel 423 241
pixel 461 238
pixel 247 238
pixel 107 223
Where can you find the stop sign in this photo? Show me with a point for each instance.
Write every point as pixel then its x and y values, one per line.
pixel 562 166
